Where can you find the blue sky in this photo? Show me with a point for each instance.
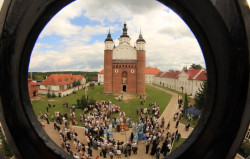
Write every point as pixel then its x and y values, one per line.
pixel 74 39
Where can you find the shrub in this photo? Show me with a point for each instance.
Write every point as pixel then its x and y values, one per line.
pixel 48 95
pixel 92 101
pixel 6 148
pixel 53 95
pixel 245 148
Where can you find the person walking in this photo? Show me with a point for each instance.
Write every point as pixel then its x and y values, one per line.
pixel 131 137
pixel 162 122
pixel 90 151
pixel 147 147
pixel 158 153
pixel 177 123
pixel 168 126
pixel 104 152
pixel 111 154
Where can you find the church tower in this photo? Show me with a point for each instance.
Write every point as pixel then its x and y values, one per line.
pixel 140 82
pixel 108 53
pixel 124 65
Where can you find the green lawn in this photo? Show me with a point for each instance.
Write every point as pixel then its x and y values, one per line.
pixel 129 106
pixel 192 123
pixel 174 91
pixel 178 143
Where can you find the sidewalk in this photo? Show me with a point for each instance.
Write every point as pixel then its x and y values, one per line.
pixel 168 114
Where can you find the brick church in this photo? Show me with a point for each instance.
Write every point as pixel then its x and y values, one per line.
pixel 124 65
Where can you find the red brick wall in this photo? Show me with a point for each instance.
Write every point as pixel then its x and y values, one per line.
pixel 108 71
pixel 117 79
pixel 113 80
pixel 140 72
pixel 117 82
pixel 32 89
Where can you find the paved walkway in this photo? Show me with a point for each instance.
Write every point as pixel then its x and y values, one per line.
pixel 124 136
pixel 168 114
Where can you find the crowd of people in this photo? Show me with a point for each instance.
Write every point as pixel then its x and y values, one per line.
pixel 99 127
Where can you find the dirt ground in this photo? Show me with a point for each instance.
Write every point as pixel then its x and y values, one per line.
pixel 127 96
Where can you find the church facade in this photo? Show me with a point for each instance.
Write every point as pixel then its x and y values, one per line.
pixel 124 65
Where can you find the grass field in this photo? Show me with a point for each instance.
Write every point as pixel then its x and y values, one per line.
pixel 192 123
pixel 174 91
pixel 128 106
pixel 178 143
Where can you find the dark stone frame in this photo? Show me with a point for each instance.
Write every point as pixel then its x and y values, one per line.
pixel 223 34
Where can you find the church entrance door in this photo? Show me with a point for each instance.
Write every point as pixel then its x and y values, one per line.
pixel 124 88
pixel 34 93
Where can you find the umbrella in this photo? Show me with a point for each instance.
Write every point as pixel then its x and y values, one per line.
pixel 193 111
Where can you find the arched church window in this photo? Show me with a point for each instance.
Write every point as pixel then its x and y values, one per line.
pixel 124 77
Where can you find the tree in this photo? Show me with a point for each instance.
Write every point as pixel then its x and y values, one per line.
pixel 74 84
pixel 53 95
pixel 184 68
pixel 186 102
pixel 82 103
pixel 201 96
pixel 245 148
pixel 6 148
pixel 78 83
pixel 48 95
pixel 195 67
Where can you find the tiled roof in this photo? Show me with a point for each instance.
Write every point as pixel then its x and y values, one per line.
pixel 159 74
pixel 101 72
pixel 152 71
pixel 171 74
pixel 192 73
pixel 33 83
pixel 202 76
pixel 61 79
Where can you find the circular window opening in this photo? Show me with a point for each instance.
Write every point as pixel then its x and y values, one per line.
pixel 62 62
pixel 197 27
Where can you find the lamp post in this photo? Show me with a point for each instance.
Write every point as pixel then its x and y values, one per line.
pixel 86 91
pixel 122 101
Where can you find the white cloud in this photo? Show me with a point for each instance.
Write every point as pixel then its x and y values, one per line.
pixel 170 43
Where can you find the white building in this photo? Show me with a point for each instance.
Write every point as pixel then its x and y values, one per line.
pixel 101 77
pixel 150 74
pixel 184 81
pixel 62 84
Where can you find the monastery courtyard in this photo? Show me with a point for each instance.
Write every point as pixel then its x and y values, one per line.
pixel 168 115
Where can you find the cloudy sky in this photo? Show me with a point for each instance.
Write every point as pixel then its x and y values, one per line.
pixel 74 39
